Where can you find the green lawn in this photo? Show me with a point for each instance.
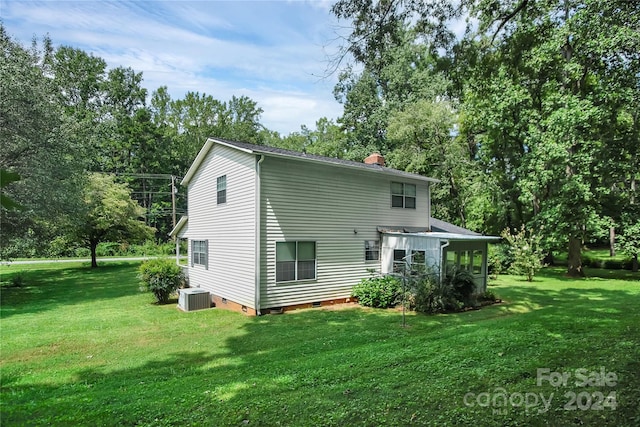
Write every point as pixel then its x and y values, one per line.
pixel 83 347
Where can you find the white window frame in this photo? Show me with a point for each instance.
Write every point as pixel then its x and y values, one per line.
pixel 371 247
pixel 221 190
pixel 297 262
pixel 477 254
pixel 403 195
pixel 399 260
pixel 200 253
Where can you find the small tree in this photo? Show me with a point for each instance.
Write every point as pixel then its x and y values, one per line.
pixel 526 251
pixel 629 243
pixel 108 214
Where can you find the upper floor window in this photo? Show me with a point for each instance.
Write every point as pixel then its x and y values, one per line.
pixel 403 195
pixel 222 189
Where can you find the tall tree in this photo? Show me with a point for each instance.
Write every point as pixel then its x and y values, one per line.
pixel 546 89
pixel 422 135
pixel 541 100
pixel 35 145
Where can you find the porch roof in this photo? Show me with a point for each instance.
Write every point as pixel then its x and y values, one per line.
pixel 444 235
pixel 179 226
pixel 439 230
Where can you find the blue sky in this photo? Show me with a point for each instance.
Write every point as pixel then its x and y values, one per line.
pixel 275 52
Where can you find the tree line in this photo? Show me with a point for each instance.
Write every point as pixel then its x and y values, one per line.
pixel 528 119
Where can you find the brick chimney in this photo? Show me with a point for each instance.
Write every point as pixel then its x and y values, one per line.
pixel 375 159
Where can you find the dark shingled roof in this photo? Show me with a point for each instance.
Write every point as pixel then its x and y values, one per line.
pixel 445 227
pixel 263 149
pixel 437 226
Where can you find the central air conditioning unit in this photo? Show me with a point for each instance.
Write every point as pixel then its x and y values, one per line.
pixel 193 299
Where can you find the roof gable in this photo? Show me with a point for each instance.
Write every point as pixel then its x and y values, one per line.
pixel 296 155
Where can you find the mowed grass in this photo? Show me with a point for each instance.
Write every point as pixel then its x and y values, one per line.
pixel 85 347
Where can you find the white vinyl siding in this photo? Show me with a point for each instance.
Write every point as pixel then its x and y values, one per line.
pixel 229 227
pixel 334 207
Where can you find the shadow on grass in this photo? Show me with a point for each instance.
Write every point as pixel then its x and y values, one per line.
pixel 559 273
pixel 49 288
pixel 356 366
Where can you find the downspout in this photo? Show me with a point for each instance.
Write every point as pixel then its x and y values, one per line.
pixel 257 237
pixel 442 262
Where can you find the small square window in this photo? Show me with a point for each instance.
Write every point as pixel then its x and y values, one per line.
pixel 371 250
pixel 403 195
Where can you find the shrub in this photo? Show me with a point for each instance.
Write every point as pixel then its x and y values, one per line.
pixel 454 292
pixel 462 285
pixel 526 251
pixel 435 296
pixel 499 259
pixel 377 292
pixel 106 249
pixel 614 264
pixel 488 296
pixel 162 277
pixel 629 242
pixel 18 279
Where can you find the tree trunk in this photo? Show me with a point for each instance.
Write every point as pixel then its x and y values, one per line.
pixel 574 259
pixel 548 259
pixel 612 241
pixel 634 263
pixel 94 261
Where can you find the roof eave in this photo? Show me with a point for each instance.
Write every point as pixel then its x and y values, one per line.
pixel 179 226
pixel 202 154
pixel 381 170
pixel 445 235
pixel 204 151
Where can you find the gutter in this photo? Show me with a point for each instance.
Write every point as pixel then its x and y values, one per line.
pixel 443 244
pixel 257 236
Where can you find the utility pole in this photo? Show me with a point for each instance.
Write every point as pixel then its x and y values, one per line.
pixel 173 201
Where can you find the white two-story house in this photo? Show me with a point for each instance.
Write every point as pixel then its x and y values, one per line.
pixel 272 229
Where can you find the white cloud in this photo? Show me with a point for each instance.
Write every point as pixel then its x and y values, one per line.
pixel 269 51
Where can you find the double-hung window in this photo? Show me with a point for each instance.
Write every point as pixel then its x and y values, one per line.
pixel 222 189
pixel 295 261
pixel 199 253
pixel 403 195
pixel 371 250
